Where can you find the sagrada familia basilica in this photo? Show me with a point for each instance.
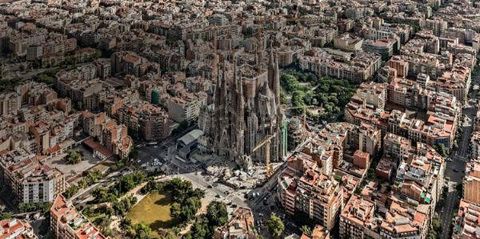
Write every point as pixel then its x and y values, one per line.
pixel 246 112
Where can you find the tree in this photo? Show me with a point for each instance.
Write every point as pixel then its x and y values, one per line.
pixel 181 127
pixel 441 149
pixel 197 192
pixel 217 214
pixel 71 191
pixel 298 101
pixel 200 229
pixel 97 54
pixel 151 186
pixel 73 157
pixel 186 199
pixel 185 211
pixel 93 176
pixel 128 182
pixel 283 98
pixel 31 207
pixel 275 226
pixel 133 152
pixel 121 207
pixel 175 210
pixel 190 208
pixel 306 230
pixel 142 231
pixel 126 223
pixel 311 78
pixel 289 83
pixel 435 228
pixel 45 78
pixel 459 188
pixel 103 195
pixel 170 234
pixel 6 215
pixel 179 189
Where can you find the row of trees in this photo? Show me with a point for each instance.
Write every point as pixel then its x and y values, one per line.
pixel 31 207
pixel 125 184
pixel 101 216
pixel 136 231
pixel 90 178
pixel 435 230
pixel 205 225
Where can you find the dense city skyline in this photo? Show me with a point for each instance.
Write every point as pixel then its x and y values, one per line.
pixel 199 119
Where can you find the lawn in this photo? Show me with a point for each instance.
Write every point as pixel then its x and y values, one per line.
pixel 153 210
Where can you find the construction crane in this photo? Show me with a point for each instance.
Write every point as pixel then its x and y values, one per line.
pixel 268 140
pixel 265 142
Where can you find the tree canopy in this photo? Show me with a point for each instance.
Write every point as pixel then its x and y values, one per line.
pixel 275 226
pixel 186 198
pixel 73 157
pixel 217 214
pixel 205 225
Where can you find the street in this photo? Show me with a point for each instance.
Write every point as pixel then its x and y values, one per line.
pixel 455 170
pixel 148 153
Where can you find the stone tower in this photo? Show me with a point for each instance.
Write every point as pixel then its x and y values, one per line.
pixel 247 109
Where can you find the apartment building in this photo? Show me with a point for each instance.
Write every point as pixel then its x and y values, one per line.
pixel 339 64
pixel 375 214
pixel 30 180
pixel 434 131
pixel 455 81
pixel 467 218
pixel 10 103
pixel 18 42
pixel 370 139
pixel 114 137
pixel 318 232
pixel 16 229
pixel 383 47
pixel 146 120
pixel 466 221
pixel 438 128
pixel 347 42
pixel 421 176
pixel 475 143
pixel 396 146
pixel 67 223
pixel 372 95
pixel 129 63
pixel 471 182
pixel 303 188
pixel 185 109
pixel 356 217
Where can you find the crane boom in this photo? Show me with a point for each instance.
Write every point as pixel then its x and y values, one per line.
pixel 264 141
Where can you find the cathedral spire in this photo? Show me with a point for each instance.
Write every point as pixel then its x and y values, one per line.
pixel 274 74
